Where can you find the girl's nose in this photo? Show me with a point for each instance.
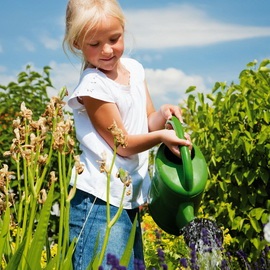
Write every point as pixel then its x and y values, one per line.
pixel 107 49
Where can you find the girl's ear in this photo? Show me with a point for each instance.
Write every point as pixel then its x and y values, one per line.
pixel 76 45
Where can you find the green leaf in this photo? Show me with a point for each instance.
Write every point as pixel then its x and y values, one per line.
pixel 68 259
pixel 216 87
pixel 265 175
pixel 51 265
pixel 239 177
pixel 94 264
pixel 252 199
pixel 46 70
pixel 252 64
pixel 191 103
pixel 190 89
pixel 264 69
pixel 201 98
pixel 264 63
pixel 258 243
pixel 252 176
pixel 4 231
pixel 211 97
pixel 266 116
pixel 22 77
pixel 255 224
pixel 231 213
pixel 34 254
pixel 129 247
pixel 17 257
pixel 257 212
pixel 237 223
pixel 262 138
pixel 234 167
pixel 235 134
pixel 223 186
pixel 247 147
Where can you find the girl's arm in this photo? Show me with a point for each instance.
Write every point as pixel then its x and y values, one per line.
pixel 103 114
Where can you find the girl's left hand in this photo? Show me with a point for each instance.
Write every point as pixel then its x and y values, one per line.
pixel 168 110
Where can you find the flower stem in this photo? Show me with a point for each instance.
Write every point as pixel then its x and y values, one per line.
pixel 108 227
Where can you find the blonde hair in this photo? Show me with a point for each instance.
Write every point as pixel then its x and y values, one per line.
pixel 83 16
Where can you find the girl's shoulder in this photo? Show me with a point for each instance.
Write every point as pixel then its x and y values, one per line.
pixel 134 67
pixel 131 62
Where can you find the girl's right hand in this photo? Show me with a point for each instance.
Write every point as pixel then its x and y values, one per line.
pixel 170 139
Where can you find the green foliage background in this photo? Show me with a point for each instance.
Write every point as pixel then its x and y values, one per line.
pixel 231 127
pixel 30 88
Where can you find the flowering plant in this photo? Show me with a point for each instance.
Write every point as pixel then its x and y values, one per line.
pixel 43 153
pixel 119 140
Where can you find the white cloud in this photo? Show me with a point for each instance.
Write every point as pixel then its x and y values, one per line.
pixel 64 74
pixel 165 85
pixel 169 85
pixel 183 25
pixel 5 79
pixel 27 44
pixel 50 43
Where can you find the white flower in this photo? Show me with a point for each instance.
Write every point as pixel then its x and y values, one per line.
pixel 266 231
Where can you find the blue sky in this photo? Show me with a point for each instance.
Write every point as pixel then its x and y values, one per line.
pixel 180 43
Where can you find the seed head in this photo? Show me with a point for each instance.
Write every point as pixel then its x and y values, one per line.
pixel 25 113
pixel 78 165
pixel 124 177
pixel 103 163
pixel 42 196
pixel 5 176
pixel 118 135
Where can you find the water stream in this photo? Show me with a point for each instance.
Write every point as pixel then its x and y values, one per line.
pixel 205 239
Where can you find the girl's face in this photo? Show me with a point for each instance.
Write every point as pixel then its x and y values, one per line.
pixel 103 46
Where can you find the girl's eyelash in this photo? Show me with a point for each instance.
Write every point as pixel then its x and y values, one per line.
pixel 112 40
pixel 115 38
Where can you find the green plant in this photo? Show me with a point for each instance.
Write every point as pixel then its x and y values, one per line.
pixel 232 129
pixel 119 139
pixel 27 196
pixel 156 240
pixel 30 88
pixel 28 206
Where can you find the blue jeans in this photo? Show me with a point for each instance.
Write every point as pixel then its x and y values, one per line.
pixel 96 225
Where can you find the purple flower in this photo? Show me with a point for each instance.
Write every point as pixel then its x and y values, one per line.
pixel 158 236
pixel 114 262
pixel 161 255
pixel 224 264
pixel 164 266
pixel 183 262
pixel 138 264
pixel 192 245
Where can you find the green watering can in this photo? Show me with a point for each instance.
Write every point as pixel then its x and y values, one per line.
pixel 177 185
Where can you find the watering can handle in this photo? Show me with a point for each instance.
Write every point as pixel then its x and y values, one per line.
pixel 187 182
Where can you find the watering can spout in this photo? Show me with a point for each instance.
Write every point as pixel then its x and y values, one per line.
pixel 185 214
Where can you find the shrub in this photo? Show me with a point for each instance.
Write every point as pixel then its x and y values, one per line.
pixel 231 127
pixel 30 88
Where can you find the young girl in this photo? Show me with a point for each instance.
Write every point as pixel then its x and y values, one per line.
pixel 112 89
